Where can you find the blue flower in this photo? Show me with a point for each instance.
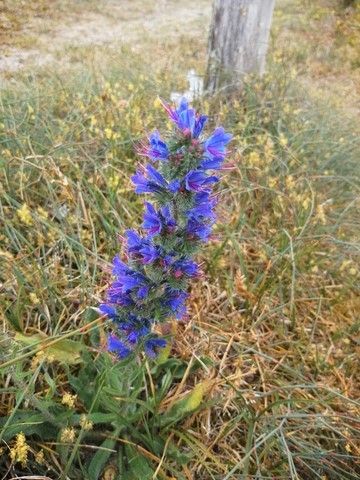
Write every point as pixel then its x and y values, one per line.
pixel 214 147
pixel 108 310
pixel 149 253
pixel 204 210
pixel 129 282
pixel 168 222
pixel 175 300
pixel 185 119
pixel 185 267
pixel 117 297
pixel 152 344
pixel 144 185
pixel 134 241
pixel 208 164
pixel 156 183
pixel 199 125
pixel 194 180
pixel 198 229
pixel 127 279
pixel 143 291
pixel 174 186
pixel 158 149
pixel 142 248
pixel 152 221
pixel 156 176
pixel 120 267
pixel 114 344
pixel 142 330
pixel 155 221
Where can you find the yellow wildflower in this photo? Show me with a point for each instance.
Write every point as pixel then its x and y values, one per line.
pixel 69 400
pixel 306 203
pixel 108 133
pixel 67 435
pixel 34 299
pixel 39 457
pixel 113 181
pixel 344 265
pixel 320 214
pixel 25 215
pixel 273 182
pixel 283 140
pixel 157 103
pixel 254 158
pixel 37 359
pixel 43 214
pixel 85 424
pixel 19 452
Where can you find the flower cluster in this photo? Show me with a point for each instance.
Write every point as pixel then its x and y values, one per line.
pixel 152 285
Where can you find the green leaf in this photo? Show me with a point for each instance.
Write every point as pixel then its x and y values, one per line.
pixel 29 424
pixel 183 407
pixel 67 351
pixel 98 461
pixel 180 458
pixel 139 467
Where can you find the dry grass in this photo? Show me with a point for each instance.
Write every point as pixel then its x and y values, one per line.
pixel 261 382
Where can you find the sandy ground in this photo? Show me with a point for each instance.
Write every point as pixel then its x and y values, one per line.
pixel 52 36
pixel 59 33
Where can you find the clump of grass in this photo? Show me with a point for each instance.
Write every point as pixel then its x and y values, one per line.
pixel 261 382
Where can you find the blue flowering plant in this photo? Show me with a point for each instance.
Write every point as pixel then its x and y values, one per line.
pixel 151 283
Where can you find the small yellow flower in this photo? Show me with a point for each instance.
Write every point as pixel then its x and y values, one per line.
pixel 320 214
pixel 69 400
pixel 344 265
pixel 113 181
pixel 273 182
pixel 254 158
pixel 39 457
pixel 283 140
pixel 67 435
pixel 31 112
pixel 85 424
pixel 306 203
pixel 348 447
pixel 25 215
pixel 37 359
pixel 34 299
pixel 20 450
pixel 157 103
pixel 43 214
pixel 108 133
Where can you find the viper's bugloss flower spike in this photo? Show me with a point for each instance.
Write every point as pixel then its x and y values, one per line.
pixel 157 264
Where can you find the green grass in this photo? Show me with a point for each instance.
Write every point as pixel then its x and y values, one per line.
pixel 261 382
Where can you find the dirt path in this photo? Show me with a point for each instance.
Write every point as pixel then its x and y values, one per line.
pixel 49 36
pixel 322 42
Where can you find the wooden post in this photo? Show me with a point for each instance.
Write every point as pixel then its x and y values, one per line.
pixel 238 40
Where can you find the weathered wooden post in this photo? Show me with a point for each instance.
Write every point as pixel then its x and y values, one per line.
pixel 238 40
